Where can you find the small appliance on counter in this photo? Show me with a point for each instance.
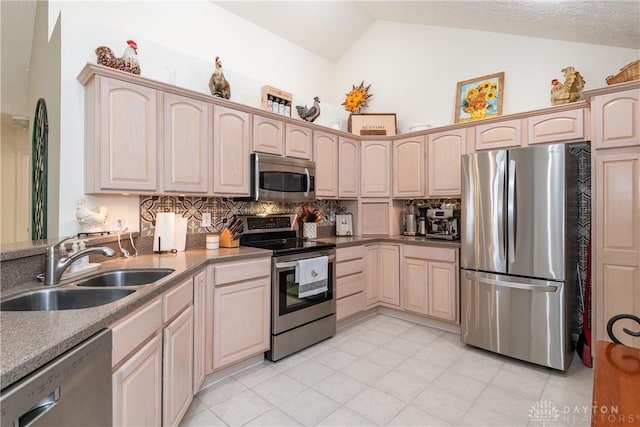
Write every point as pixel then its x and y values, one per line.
pixel 443 224
pixel 344 224
pixel 409 221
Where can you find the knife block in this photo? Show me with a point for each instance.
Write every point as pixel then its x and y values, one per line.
pixel 226 241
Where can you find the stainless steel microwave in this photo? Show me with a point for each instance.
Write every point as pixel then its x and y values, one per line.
pixel 282 179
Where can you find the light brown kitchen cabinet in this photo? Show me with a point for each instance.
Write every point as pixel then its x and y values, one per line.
pixel 298 141
pixel 120 137
pixel 268 135
pixel 231 143
pixel 325 154
pixel 186 144
pixel 430 282
pixel 350 281
pixel 375 164
pixel 444 150
pixel 503 134
pixel 616 243
pixel 349 168
pixel 562 126
pixel 200 329
pixel 241 311
pixel 383 274
pixel 408 168
pixel 616 118
pixel 137 387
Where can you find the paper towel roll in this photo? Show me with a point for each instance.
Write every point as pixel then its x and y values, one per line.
pixel 181 232
pixel 165 231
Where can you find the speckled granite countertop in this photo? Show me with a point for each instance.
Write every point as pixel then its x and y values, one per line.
pixel 31 339
pixel 341 242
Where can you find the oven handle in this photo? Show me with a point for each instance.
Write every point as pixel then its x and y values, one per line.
pixel 289 264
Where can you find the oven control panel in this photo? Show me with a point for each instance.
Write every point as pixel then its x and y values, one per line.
pixel 269 223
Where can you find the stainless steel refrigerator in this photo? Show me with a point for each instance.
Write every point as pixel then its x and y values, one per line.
pixel 518 252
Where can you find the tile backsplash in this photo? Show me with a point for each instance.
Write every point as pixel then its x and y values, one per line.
pixel 221 210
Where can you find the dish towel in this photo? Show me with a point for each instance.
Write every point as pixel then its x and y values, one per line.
pixel 312 276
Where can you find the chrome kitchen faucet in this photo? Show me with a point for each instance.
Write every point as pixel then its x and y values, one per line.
pixel 54 267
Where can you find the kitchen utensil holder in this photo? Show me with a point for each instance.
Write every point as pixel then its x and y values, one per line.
pixel 310 230
pixel 226 241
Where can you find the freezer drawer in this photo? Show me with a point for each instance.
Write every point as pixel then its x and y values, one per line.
pixel 526 319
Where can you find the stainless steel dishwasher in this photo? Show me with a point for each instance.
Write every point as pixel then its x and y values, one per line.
pixel 72 390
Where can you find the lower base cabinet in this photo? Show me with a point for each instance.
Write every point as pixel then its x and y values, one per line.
pixel 137 387
pixel 177 372
pixel 350 281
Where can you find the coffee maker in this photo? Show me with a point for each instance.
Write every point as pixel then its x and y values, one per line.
pixel 443 224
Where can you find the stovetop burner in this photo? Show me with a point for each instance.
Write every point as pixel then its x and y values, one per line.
pixel 277 233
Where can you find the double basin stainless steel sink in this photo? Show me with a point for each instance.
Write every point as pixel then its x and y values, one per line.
pixel 101 289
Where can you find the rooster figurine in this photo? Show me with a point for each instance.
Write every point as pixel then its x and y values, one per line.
pixel 218 85
pixel 570 90
pixel 91 221
pixel 310 114
pixel 128 62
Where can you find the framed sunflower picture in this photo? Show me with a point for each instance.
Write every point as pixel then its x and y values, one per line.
pixel 479 98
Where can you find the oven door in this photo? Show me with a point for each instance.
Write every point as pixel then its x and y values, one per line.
pixel 290 311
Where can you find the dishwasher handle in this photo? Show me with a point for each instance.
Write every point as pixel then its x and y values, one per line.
pixel 515 285
pixel 39 409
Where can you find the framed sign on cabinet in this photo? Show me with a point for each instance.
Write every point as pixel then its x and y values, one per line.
pixel 372 124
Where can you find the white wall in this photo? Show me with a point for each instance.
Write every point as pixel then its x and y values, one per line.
pixel 413 69
pixel 14 190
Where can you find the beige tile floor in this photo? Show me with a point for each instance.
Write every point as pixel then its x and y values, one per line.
pixel 389 372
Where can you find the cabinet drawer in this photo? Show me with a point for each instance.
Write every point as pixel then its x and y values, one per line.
pixel 349 267
pixel 353 252
pixel 133 330
pixel 241 271
pixel 431 253
pixel 353 304
pixel 174 301
pixel 349 285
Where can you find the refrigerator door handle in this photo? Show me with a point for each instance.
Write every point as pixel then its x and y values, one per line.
pixel 501 240
pixel 511 211
pixel 523 286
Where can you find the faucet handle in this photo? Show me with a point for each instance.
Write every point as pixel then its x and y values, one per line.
pixel 51 250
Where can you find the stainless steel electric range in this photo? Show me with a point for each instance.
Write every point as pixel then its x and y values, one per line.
pixel 296 322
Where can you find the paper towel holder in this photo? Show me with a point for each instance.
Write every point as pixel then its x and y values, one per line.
pixel 160 251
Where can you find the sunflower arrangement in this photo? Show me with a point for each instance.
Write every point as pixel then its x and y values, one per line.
pixel 356 98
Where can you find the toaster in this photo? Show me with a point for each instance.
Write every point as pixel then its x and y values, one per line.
pixel 344 225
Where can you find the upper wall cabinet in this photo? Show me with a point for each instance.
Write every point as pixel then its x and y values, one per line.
pixel 325 154
pixel 268 135
pixel 408 168
pixel 375 161
pixel 443 163
pixel 231 141
pixel 349 168
pixel 298 141
pixel 499 135
pixel 186 143
pixel 556 127
pixel 120 137
pixel 616 119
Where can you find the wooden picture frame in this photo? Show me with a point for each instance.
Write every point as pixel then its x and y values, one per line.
pixel 479 98
pixel 374 124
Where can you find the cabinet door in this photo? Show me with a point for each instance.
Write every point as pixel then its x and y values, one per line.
pixel 325 154
pixel 372 275
pixel 186 144
pixel 298 141
pixel 616 119
pixel 241 321
pixel 268 135
pixel 137 387
pixel 616 275
pixel 443 163
pixel 408 168
pixel 443 291
pixel 389 273
pixel 126 121
pixel 415 283
pixel 499 135
pixel 177 372
pixel 231 136
pixel 375 160
pixel 349 164
pixel 199 329
pixel 555 127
